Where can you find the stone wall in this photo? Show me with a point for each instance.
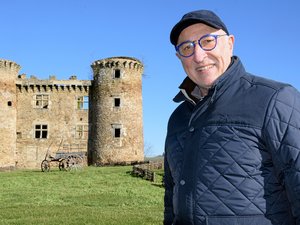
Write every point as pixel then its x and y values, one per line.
pixel 102 117
pixel 8 73
pixel 55 105
pixel 117 123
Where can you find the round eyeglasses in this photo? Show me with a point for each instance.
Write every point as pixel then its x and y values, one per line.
pixel 207 42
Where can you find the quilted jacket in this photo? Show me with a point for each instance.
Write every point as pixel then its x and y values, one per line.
pixel 233 157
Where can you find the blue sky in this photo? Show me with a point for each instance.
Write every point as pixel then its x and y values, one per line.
pixel 64 37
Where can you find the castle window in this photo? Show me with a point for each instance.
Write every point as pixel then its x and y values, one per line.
pixel 117 131
pixel 42 101
pixel 19 135
pixel 117 74
pixel 83 102
pixel 117 102
pixel 41 131
pixel 81 132
pixel 9 103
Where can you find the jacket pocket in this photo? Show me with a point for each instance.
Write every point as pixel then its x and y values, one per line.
pixel 238 220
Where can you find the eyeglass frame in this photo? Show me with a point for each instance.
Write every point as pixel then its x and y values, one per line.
pixel 215 36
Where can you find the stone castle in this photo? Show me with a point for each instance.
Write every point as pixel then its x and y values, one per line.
pixel 101 117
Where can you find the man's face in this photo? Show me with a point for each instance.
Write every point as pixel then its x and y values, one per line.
pixel 204 67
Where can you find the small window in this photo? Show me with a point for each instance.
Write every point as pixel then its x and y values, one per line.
pixel 117 74
pixel 81 132
pixel 41 131
pixel 19 135
pixel 83 102
pixel 117 132
pixel 9 103
pixel 42 101
pixel 117 102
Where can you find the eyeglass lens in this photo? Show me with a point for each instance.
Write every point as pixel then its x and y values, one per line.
pixel 207 43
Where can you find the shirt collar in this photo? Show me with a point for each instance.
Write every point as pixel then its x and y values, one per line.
pixel 189 90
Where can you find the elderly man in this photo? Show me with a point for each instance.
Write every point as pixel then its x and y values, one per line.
pixel 232 146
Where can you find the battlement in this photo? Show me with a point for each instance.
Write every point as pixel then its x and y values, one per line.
pixel 34 83
pixel 6 64
pixel 118 62
pixel 22 80
pixel 102 116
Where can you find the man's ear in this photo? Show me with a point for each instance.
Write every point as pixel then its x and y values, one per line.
pixel 231 42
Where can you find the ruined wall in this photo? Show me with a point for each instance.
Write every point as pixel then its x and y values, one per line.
pixel 48 117
pixel 116 119
pixel 8 74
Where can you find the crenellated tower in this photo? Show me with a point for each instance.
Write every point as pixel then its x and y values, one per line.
pixel 116 117
pixel 8 113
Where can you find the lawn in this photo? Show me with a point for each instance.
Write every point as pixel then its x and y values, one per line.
pixel 94 195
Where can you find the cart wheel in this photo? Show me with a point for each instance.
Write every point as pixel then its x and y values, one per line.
pixel 74 162
pixel 45 166
pixel 63 165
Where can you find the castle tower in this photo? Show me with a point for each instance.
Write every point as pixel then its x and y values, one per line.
pixel 8 113
pixel 116 130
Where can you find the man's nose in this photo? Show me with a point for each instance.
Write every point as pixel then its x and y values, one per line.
pixel 199 54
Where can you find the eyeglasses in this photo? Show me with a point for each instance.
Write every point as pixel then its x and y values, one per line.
pixel 207 42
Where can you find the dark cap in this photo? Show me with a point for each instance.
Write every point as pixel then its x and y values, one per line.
pixel 200 16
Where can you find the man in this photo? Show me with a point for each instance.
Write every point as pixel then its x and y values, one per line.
pixel 232 146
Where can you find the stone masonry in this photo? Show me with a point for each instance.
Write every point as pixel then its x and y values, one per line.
pixel 117 123
pixel 101 117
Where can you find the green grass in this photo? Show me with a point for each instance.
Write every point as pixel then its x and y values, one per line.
pixel 95 196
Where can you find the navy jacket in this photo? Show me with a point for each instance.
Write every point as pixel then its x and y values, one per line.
pixel 233 158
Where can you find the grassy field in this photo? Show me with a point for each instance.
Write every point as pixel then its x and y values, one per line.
pixel 95 196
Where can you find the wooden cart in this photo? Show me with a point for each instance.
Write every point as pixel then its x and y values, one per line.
pixel 66 160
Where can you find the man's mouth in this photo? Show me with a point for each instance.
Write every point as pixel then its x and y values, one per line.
pixel 203 68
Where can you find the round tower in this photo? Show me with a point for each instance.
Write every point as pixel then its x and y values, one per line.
pixel 116 116
pixel 8 113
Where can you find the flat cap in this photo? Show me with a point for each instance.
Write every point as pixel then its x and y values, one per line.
pixel 200 16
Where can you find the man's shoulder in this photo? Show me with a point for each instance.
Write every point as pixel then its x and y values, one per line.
pixel 263 82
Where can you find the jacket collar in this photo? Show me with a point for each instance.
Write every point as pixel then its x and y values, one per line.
pixel 234 71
